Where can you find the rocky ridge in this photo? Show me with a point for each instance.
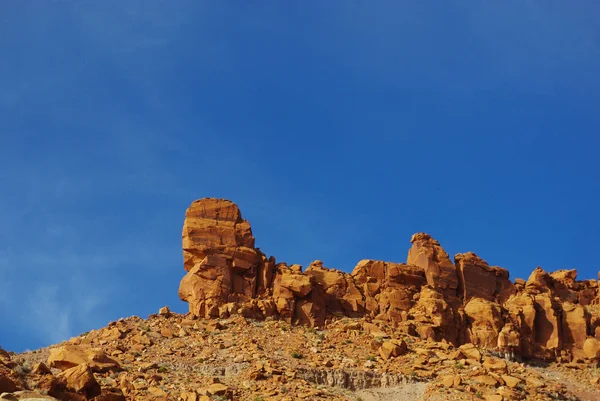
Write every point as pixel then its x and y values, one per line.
pixel 551 316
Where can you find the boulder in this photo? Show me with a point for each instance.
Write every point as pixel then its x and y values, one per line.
pixel 470 352
pixel 80 380
pixel 164 311
pixel 40 368
pixel 564 284
pixel 539 281
pixel 392 348
pixel 495 365
pixel 25 396
pixel 511 381
pixel 298 284
pixel 69 356
pixel 591 348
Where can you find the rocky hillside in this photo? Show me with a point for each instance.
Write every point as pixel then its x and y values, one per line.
pixel 258 330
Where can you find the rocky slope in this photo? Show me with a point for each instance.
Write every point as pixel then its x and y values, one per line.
pixel 182 357
pixel 258 330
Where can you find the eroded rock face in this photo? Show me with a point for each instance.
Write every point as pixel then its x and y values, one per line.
pixel 465 302
pixel 220 258
pixel 340 292
pixel 484 322
pixel 479 280
pixel 389 289
pixel 441 273
pixel 215 226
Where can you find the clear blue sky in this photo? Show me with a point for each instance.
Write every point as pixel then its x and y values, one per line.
pixel 339 127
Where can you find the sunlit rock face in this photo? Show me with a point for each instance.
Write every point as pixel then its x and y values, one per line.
pixel 550 316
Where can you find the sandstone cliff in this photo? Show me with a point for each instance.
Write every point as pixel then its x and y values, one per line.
pixel 550 316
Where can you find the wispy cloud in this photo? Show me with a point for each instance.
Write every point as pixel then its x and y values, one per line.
pixel 50 310
pixel 52 319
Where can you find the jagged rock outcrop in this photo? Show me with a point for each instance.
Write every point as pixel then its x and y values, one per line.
pixel 219 254
pixel 389 289
pixel 551 315
pixel 441 273
pixel 479 280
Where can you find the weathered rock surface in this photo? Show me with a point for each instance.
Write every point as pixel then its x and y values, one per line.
pixel 69 356
pixel 468 301
pixel 479 280
pixel 441 273
pixel 77 380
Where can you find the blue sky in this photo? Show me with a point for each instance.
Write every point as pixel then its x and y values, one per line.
pixel 340 128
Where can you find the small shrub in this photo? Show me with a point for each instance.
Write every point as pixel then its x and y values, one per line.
pixel 22 370
pixel 371 358
pixel 459 365
pixel 163 369
pixel 297 355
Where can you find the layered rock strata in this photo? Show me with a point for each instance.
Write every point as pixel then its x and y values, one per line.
pixel 550 316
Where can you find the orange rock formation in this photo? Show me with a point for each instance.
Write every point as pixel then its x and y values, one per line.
pixel 551 316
